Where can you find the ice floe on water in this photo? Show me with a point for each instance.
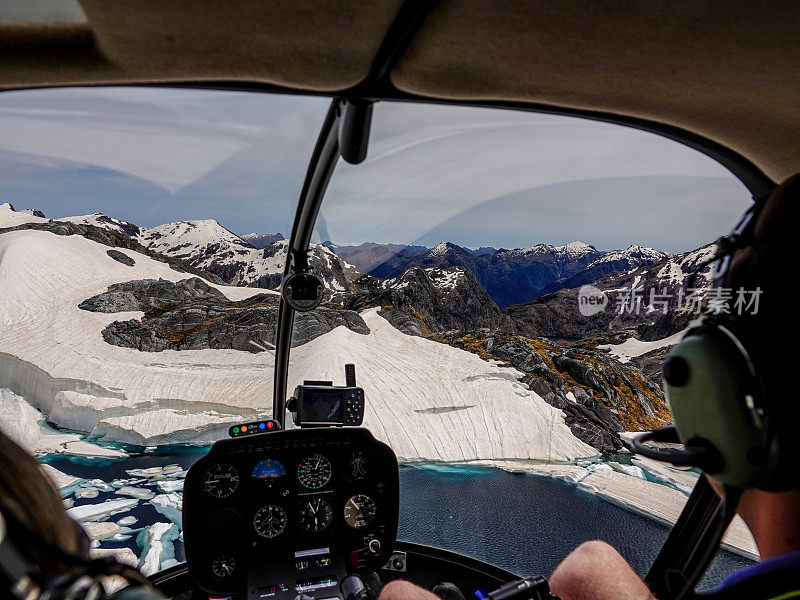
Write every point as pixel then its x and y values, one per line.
pixel 169 505
pixel 158 550
pixel 95 512
pixel 104 509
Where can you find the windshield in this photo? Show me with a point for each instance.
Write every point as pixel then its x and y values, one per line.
pixel 522 277
pixel 488 272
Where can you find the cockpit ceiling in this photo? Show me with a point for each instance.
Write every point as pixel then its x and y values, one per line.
pixel 724 70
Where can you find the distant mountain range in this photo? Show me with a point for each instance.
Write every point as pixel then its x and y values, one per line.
pixel 556 314
pixel 509 276
pixel 371 255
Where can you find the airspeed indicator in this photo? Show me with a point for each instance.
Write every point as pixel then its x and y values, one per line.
pixel 314 471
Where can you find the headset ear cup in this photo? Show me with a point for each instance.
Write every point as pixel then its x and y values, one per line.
pixel 710 386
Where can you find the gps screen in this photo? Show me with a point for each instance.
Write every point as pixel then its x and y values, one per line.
pixel 322 406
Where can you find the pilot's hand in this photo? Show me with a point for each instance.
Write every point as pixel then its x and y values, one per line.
pixel 405 590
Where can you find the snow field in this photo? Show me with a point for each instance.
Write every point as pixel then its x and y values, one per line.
pixel 53 355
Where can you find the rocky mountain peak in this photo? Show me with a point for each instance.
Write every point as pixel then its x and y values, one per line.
pixel 261 240
pixel 635 255
pixel 576 248
pixel 424 301
pixel 443 248
pixel 98 219
pixel 10 217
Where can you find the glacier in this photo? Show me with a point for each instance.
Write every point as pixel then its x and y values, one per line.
pixel 52 354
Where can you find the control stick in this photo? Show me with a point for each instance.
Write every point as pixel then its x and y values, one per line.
pixel 534 587
pixel 354 589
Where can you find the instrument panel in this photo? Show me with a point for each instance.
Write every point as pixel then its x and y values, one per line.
pixel 293 511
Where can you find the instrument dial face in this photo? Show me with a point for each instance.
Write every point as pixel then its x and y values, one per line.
pixel 221 480
pixel 268 469
pixel 314 471
pixel 315 515
pixel 358 466
pixel 270 521
pixel 223 566
pixel 359 511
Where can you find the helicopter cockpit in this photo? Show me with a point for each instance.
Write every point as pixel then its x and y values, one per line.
pixel 307 506
pixel 428 378
pixel 428 421
pixel 510 236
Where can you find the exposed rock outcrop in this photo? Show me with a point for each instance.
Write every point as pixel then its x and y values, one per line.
pixel 424 301
pixel 599 395
pixel 121 258
pixel 191 315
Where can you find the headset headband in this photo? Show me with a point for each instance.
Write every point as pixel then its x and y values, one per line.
pixel 740 237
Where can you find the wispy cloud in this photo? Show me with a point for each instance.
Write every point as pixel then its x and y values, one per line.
pixel 489 177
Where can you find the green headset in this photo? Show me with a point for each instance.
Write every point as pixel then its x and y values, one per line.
pixel 713 388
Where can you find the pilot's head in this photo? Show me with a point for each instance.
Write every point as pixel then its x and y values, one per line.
pixel 769 262
pixel 729 380
pixel 34 517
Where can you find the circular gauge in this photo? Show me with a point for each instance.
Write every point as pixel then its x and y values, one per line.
pixel 223 566
pixel 358 466
pixel 315 515
pixel 314 471
pixel 221 480
pixel 359 511
pixel 270 521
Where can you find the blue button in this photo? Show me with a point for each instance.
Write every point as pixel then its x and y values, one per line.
pixel 261 426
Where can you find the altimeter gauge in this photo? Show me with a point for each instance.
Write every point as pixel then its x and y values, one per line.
pixel 359 511
pixel 223 566
pixel 269 521
pixel 314 471
pixel 315 515
pixel 221 480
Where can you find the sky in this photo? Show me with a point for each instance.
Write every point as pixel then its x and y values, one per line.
pixel 476 177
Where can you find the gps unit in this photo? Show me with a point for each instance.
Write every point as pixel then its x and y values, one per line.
pixel 322 404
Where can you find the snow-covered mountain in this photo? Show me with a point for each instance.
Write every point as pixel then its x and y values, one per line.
pixel 98 219
pixel 675 270
pixel 369 255
pixel 261 240
pixel 555 314
pixel 207 246
pixel 510 276
pixel 608 263
pixel 126 303
pixel 10 217
pixel 53 356
pixel 424 301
